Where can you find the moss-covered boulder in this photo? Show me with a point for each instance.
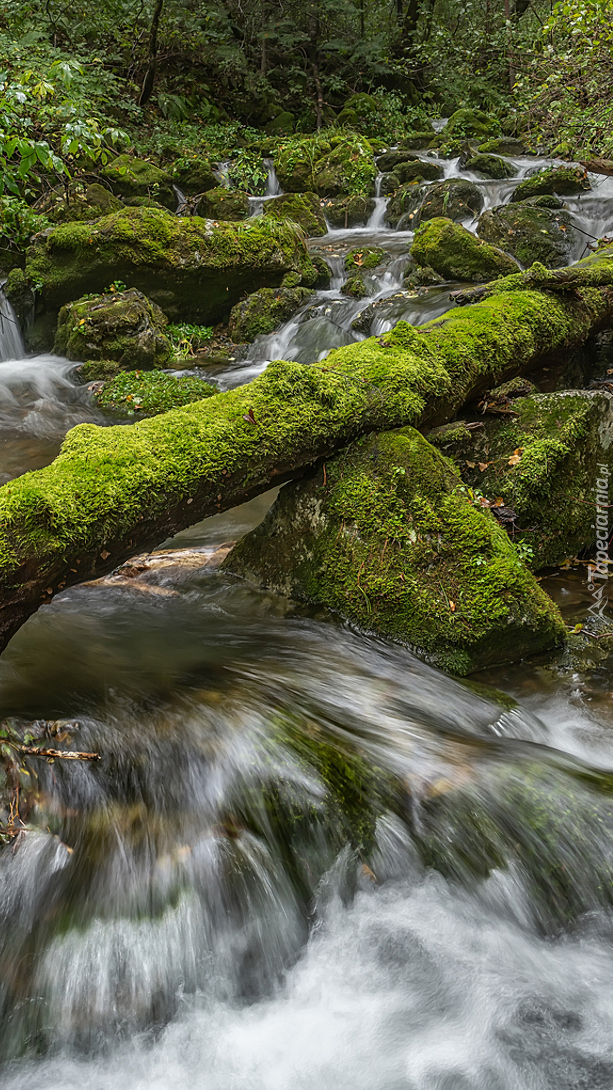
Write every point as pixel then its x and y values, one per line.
pixel 283 123
pixel 390 183
pixel 388 538
pixel 357 263
pixel 302 208
pixel 224 204
pixel 19 294
pixel 340 165
pixel 194 270
pixel 563 181
pixel 81 203
pixel 147 393
pixel 475 123
pixel 491 166
pixel 422 169
pixel 530 233
pixel 502 145
pixel 264 311
pixel 392 159
pixel 122 326
pixel 457 254
pixel 131 177
pixel 419 141
pixel 455 198
pixel 348 211
pixel 193 175
pixel 541 457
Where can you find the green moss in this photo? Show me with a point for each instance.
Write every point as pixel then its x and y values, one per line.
pixel 502 145
pixel 389 539
pixel 193 175
pixel 348 211
pixel 122 326
pixel 19 294
pixel 195 271
pixel 422 170
pixel 151 392
pixel 224 204
pixel 390 160
pixel 130 177
pixel 530 234
pixel 366 257
pixel 264 311
pixel 302 208
pixel 492 166
pixel 556 442
pixel 466 122
pixel 561 180
pixel 98 369
pixel 331 166
pixel 456 254
pixel 455 198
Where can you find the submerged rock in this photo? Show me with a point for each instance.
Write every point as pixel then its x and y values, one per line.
pixel 564 181
pixel 122 326
pixel 454 198
pixel 131 177
pixel 193 269
pixel 492 166
pixel 264 311
pixel 540 454
pixel 530 233
pixel 455 253
pixel 302 208
pixel 386 535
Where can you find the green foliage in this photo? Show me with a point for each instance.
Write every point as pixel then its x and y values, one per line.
pixel 186 338
pixel 18 222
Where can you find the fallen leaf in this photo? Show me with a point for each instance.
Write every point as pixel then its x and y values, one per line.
pixel 516 456
pixel 104 555
pixel 577 628
pixel 452 606
pixel 484 465
pixel 250 417
pixel 471 465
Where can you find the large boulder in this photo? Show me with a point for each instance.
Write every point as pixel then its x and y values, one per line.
pixel 302 208
pixel 392 159
pixel 456 254
pixel 193 175
pixel 80 203
pixel 122 326
pixel 332 168
pixel 502 145
pixel 455 198
pixel 471 123
pixel 561 181
pixel 131 177
pixel 491 166
pixel 224 204
pixel 386 536
pixel 540 455
pixel 264 311
pixel 530 233
pixel 348 211
pixel 194 270
pixel 424 169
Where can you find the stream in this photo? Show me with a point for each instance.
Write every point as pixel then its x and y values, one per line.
pixel 191 909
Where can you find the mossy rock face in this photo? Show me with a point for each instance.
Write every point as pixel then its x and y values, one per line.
pixel 83 204
pixel 390 183
pixel 456 254
pixel 194 270
pixel 193 176
pixel 122 326
pixel 502 145
pixel 423 276
pixel 349 211
pixel 564 181
pixel 224 204
pixel 96 370
pixel 543 460
pixel 419 169
pixel 530 233
pixel 282 123
pixel 471 123
pixel 19 294
pixel 130 177
pixel 456 199
pixel 147 393
pixel 389 539
pixel 301 208
pixel 492 166
pixel 419 141
pixel 264 311
pixel 392 159
pixel 332 168
pixel 366 257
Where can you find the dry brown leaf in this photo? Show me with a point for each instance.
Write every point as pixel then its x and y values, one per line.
pixel 452 606
pixel 471 465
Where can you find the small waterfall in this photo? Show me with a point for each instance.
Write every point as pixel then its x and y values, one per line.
pixel 439 123
pixel 221 171
pixel 11 341
pixel 273 189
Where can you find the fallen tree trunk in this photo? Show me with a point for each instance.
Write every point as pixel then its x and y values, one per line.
pixel 113 491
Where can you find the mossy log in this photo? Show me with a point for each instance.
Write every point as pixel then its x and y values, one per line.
pixel 112 491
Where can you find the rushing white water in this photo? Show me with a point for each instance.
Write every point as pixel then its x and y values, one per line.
pixel 11 341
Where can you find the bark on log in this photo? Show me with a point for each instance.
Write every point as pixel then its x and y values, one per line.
pixel 114 491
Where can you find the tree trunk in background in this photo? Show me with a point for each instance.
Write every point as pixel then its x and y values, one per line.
pixel 507 13
pixel 113 491
pixel 147 87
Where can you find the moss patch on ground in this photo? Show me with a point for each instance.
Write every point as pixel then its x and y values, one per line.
pixel 147 393
pixel 389 538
